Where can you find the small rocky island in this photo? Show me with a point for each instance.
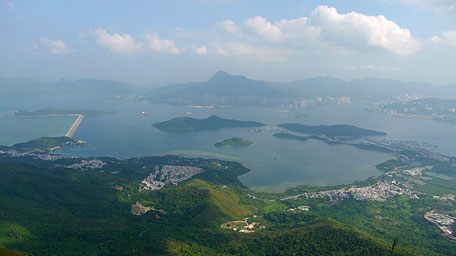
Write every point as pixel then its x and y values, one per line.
pixel 211 123
pixel 234 142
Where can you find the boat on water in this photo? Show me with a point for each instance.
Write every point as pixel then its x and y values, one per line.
pixel 144 113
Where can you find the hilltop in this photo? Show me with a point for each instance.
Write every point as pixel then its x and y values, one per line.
pixel 221 84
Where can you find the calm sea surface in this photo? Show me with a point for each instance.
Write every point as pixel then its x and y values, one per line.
pixel 275 164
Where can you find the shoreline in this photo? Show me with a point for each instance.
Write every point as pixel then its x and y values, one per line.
pixel 50 115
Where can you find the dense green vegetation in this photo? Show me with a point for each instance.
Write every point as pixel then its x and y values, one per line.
pixel 211 123
pixel 332 130
pixel 43 143
pixel 6 252
pixel 401 217
pixel 284 135
pixel 59 112
pixel 233 142
pixel 58 211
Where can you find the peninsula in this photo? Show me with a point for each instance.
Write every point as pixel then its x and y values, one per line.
pixel 339 130
pixel 44 144
pixel 211 123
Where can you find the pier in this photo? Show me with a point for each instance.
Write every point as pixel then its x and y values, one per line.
pixel 74 127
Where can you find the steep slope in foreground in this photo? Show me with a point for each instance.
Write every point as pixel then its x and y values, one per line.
pixel 211 123
pixel 68 212
pixel 6 252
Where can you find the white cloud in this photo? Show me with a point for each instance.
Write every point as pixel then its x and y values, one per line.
pixel 437 6
pixel 56 47
pixel 282 30
pixel 358 30
pixel 372 68
pixel 447 38
pixel 328 30
pixel 230 27
pixel 248 51
pixel 116 42
pixel 9 5
pixel 161 45
pixel 298 28
pixel 263 28
pixel 201 50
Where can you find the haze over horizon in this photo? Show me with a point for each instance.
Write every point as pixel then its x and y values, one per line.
pixel 159 43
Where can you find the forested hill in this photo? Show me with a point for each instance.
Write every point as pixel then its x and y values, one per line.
pixel 211 123
pixel 104 213
pixel 332 130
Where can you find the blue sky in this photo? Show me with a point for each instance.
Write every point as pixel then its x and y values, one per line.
pixel 160 42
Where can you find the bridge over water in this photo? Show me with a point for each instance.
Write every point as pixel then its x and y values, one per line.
pixel 74 127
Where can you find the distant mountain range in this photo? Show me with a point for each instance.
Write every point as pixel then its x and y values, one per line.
pixel 222 86
pixel 226 88
pixel 16 89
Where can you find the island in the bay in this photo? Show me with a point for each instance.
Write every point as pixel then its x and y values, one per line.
pixel 60 112
pixel 330 134
pixel 340 130
pixel 234 142
pixel 211 123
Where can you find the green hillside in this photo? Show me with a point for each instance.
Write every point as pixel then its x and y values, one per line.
pixel 332 130
pixel 6 252
pixel 43 143
pixel 65 212
pixel 233 142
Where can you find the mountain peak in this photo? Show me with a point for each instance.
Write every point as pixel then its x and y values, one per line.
pixel 220 75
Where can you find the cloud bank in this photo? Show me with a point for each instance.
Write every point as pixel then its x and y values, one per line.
pixel 161 45
pixel 326 26
pixel 446 38
pixel 438 6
